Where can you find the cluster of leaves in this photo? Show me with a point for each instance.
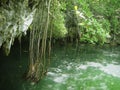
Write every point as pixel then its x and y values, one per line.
pixel 58 22
pixel 95 20
pixel 91 29
pixel 110 11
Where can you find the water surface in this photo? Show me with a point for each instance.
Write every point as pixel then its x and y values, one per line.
pixel 72 68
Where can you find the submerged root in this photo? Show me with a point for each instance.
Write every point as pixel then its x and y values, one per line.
pixel 32 78
pixel 35 75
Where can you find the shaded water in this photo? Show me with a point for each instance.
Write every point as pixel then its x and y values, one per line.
pixel 83 68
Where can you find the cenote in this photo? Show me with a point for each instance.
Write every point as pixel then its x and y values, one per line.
pixel 59 44
pixel 86 67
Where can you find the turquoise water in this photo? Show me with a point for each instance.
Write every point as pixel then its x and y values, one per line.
pixel 72 68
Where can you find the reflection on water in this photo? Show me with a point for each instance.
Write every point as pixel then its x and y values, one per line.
pixel 79 72
pixel 84 75
pixel 111 69
pixel 84 68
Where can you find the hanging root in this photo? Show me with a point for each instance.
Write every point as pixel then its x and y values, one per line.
pixel 38 38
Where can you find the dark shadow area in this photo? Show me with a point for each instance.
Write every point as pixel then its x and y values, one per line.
pixel 13 67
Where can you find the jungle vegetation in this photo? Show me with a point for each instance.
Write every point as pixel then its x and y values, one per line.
pixel 48 21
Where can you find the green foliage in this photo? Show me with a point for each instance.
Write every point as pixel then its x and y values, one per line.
pixel 59 29
pixel 94 19
pixel 92 31
pixel 110 11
